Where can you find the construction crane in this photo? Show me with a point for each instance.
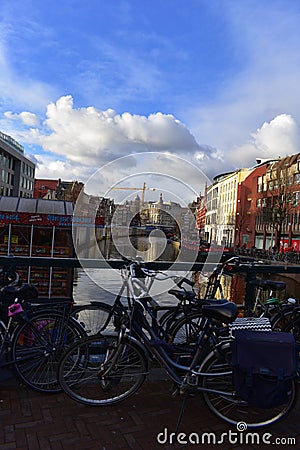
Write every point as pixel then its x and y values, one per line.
pixel 143 189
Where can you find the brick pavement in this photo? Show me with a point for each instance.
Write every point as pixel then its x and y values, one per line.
pixel 34 421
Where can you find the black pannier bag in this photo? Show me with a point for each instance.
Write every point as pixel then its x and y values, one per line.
pixel 264 366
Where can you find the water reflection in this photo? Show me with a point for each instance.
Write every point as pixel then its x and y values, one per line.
pixel 85 289
pixel 234 288
pixel 152 248
pixel 103 285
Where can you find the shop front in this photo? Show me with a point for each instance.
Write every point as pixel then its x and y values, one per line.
pixel 43 228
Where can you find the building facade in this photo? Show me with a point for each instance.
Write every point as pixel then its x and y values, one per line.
pixel 166 215
pixel 17 171
pixel 275 205
pixel 255 208
pixel 221 208
pixel 248 194
pixel 67 191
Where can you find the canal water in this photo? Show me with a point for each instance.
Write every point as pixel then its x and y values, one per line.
pixel 104 284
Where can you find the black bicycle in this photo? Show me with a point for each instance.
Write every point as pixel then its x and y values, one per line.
pixel 32 341
pixel 103 370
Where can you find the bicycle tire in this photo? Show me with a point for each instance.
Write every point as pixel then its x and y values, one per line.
pixel 123 370
pixel 166 319
pixel 37 346
pixel 3 355
pixel 293 326
pixel 280 319
pixel 92 317
pixel 228 407
pixel 186 330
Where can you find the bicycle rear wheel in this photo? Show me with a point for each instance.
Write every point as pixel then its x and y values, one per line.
pixel 93 317
pixel 98 371
pixel 293 326
pixel 37 346
pixel 281 319
pixel 229 407
pixel 187 329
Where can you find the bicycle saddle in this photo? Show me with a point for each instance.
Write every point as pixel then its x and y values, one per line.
pixel 182 294
pixel 25 291
pixel 266 285
pixel 225 312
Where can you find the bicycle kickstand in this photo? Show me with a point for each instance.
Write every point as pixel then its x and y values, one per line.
pixel 182 409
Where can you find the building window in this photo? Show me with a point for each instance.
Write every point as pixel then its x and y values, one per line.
pixel 297 178
pixel 259 184
pixel 296 198
pixel 265 184
pixel 258 203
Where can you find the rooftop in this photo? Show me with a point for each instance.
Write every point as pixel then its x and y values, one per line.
pixel 36 205
pixel 11 142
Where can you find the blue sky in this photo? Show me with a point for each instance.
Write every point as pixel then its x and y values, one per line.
pixel 212 81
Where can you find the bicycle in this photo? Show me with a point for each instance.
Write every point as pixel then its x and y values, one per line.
pixel 106 369
pixel 32 342
pixel 99 316
pixel 11 287
pixel 183 321
pixel 278 311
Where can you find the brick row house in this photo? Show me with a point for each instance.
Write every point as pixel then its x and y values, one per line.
pixel 257 207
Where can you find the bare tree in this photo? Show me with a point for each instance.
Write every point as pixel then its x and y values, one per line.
pixel 280 200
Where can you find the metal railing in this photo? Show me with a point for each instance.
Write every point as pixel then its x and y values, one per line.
pixel 249 271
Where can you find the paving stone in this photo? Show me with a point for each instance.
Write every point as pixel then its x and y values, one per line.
pixel 35 421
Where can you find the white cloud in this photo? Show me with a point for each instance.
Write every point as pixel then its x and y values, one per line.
pixel 29 118
pixel 94 137
pixel 49 167
pixel 77 142
pixel 278 138
pixel 80 141
pixel 26 117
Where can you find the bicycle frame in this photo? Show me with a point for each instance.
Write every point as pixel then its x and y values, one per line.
pixel 118 307
pixel 140 329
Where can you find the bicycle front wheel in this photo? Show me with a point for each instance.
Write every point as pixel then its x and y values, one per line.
pixel 98 371
pixel 37 346
pixel 227 405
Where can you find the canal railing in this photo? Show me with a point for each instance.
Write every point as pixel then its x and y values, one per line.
pixel 250 271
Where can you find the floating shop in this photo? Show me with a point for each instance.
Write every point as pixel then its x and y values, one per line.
pixel 37 227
